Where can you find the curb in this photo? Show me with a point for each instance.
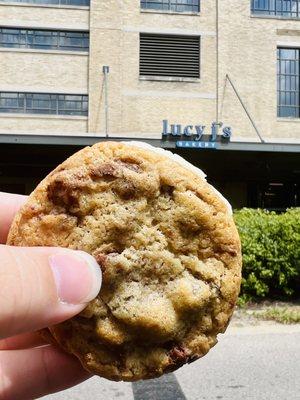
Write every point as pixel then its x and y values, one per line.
pixel 263 329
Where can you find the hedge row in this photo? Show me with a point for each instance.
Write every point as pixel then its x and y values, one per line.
pixel 271 253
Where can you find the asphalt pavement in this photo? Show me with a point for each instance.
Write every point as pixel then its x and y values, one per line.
pixel 255 363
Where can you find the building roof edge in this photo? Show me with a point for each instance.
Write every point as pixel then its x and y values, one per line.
pixel 65 140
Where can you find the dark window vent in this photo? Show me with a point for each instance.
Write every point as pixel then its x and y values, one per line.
pixel 169 55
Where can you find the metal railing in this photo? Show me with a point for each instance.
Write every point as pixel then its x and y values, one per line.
pixel 172 5
pixel 282 8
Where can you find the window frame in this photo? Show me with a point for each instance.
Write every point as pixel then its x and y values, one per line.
pixel 171 6
pixel 289 79
pixel 59 3
pixel 273 10
pixel 31 39
pixel 37 103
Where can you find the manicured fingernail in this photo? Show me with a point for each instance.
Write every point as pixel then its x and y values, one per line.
pixel 77 276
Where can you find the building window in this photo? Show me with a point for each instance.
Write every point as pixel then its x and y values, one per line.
pixel 43 103
pixel 44 39
pixel 54 2
pixel 169 55
pixel 283 8
pixel 172 5
pixel 288 82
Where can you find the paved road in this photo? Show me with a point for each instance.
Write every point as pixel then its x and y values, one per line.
pixel 259 363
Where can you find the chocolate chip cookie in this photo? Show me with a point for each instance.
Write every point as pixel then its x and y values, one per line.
pixel 167 246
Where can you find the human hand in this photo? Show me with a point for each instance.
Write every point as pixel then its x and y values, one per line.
pixel 39 287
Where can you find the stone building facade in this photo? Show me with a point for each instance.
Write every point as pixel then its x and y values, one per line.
pixel 73 72
pixel 239 41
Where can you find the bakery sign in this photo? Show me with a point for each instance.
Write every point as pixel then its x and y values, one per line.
pixel 196 136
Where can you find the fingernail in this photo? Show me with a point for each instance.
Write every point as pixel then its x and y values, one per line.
pixel 77 276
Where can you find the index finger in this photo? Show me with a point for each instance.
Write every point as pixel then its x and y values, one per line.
pixel 22 341
pixel 9 205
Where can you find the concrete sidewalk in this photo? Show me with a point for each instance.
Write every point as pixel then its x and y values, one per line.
pixel 260 362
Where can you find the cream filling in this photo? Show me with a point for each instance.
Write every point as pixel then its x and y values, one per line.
pixel 181 161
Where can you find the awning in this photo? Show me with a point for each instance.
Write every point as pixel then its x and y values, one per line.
pixel 62 140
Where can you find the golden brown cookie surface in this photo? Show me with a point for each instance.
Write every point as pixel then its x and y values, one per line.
pixel 168 250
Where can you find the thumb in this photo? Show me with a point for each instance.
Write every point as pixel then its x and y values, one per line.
pixel 42 286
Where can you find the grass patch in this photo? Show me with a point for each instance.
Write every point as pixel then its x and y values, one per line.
pixel 281 315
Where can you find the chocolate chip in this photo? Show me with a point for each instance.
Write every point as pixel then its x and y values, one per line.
pixel 101 258
pixel 33 210
pixel 230 249
pixel 167 190
pixel 178 355
pixel 106 171
pixel 60 193
pixel 129 165
pixel 125 189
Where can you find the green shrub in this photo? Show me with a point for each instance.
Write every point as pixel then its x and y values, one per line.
pixel 271 253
